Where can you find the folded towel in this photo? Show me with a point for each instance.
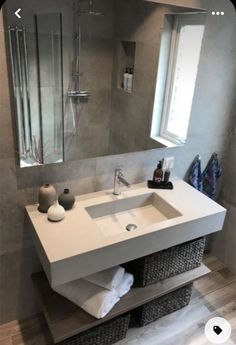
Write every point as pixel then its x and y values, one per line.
pixel 93 299
pixel 125 285
pixel 108 279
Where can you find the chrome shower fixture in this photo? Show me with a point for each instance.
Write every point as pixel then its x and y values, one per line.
pixel 75 92
pixel 79 94
pixel 90 10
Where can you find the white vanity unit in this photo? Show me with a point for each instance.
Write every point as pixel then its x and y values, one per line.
pixel 93 235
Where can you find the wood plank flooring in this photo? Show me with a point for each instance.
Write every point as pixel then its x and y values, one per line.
pixel 213 295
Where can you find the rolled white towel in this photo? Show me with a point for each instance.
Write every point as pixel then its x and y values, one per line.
pixel 125 285
pixel 93 299
pixel 108 279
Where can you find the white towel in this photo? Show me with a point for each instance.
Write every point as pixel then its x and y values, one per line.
pixel 90 297
pixel 125 285
pixel 108 279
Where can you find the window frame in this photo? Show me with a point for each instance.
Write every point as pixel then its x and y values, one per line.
pixel 178 21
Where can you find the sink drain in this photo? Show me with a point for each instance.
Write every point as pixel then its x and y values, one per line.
pixel 131 227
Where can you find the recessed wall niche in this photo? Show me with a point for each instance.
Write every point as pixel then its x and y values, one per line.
pixel 126 60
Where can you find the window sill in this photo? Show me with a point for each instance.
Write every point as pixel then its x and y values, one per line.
pixel 165 142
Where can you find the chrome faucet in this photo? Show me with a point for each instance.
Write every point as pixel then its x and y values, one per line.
pixel 118 179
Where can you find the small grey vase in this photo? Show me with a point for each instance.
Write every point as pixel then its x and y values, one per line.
pixel 66 199
pixel 47 196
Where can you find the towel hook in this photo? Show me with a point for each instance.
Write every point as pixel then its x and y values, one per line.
pixel 198 157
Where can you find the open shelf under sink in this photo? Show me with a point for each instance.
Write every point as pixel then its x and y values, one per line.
pixel 65 319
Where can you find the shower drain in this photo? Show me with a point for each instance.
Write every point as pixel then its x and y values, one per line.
pixel 131 227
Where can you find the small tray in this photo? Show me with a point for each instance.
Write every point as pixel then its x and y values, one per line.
pixel 162 185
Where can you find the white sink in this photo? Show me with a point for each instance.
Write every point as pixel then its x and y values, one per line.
pixel 142 210
pixel 93 236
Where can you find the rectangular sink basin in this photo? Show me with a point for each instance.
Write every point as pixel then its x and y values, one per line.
pixel 142 210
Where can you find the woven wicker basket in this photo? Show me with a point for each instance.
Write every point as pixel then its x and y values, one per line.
pixel 166 263
pixel 106 334
pixel 162 306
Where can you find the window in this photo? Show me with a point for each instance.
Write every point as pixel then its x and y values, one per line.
pixel 181 48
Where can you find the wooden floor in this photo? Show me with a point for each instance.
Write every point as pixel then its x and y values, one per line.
pixel 213 295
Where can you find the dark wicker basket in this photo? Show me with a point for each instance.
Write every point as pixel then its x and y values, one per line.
pixel 166 263
pixel 106 334
pixel 162 306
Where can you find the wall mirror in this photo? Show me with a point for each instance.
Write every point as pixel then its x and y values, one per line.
pixel 100 77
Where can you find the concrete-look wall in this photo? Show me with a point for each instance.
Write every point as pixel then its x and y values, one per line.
pixel 96 63
pixel 224 243
pixel 212 110
pixel 140 23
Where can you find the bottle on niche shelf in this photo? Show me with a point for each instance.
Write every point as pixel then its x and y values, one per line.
pixel 130 80
pixel 125 79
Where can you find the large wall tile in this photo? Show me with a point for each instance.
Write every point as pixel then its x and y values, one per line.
pixel 224 242
pixel 6 138
pixel 16 270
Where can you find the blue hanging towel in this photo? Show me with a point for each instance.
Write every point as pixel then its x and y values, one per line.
pixel 210 176
pixel 195 174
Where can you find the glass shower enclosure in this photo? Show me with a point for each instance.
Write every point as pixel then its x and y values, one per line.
pixel 37 77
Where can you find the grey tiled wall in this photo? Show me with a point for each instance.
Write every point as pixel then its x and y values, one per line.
pixel 210 126
pixel 224 243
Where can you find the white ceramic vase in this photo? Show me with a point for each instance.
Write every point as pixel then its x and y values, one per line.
pixel 56 212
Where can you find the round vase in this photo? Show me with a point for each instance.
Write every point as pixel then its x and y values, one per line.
pixel 66 199
pixel 47 196
pixel 56 212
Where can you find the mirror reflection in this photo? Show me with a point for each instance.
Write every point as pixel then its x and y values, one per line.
pixel 101 77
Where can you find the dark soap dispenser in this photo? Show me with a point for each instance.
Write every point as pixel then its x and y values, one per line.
pixel 158 173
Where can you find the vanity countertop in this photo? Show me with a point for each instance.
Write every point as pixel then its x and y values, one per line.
pixel 76 246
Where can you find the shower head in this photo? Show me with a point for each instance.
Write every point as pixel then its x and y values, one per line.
pixel 90 10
